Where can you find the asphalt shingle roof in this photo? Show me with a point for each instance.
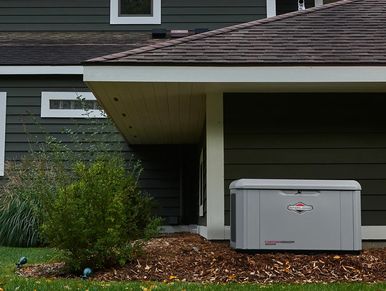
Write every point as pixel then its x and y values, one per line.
pixel 347 32
pixel 65 48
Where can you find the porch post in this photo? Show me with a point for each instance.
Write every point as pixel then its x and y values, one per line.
pixel 215 166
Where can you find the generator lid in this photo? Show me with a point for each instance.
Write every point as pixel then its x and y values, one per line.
pixel 342 185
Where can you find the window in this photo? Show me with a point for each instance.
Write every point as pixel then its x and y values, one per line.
pixel 135 11
pixel 3 111
pixel 277 7
pixel 70 105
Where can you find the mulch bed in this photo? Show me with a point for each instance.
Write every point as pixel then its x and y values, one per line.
pixel 189 257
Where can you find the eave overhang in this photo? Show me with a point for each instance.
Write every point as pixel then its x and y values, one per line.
pixel 166 104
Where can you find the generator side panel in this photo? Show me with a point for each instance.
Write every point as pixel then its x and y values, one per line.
pixel 357 220
pixel 346 220
pixel 240 219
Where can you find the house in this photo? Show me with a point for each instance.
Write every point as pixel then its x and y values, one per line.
pixel 300 95
pixel 42 45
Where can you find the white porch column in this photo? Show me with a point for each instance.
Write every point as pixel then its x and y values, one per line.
pixel 215 166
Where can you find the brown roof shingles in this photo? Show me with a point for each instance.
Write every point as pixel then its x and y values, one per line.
pixel 346 32
pixel 65 48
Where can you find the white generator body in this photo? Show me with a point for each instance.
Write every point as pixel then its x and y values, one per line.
pixel 295 215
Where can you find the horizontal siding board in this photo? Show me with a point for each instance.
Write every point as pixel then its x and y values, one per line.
pixel 306 156
pixel 377 203
pixel 305 141
pixel 285 136
pixel 373 217
pixel 85 15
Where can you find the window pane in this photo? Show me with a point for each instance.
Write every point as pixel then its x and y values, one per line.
pixel 65 104
pixel 139 7
pixel 75 104
pixel 54 104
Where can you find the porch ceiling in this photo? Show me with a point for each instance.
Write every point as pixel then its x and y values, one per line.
pixel 154 113
pixel 166 105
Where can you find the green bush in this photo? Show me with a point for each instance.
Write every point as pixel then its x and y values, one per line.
pixel 97 218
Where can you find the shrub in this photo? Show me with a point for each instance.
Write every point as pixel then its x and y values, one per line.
pixel 96 218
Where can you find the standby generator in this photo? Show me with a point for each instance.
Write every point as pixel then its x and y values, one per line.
pixel 295 215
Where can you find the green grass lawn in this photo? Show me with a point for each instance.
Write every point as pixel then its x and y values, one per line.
pixel 9 281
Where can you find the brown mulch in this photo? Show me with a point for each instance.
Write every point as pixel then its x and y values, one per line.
pixel 188 257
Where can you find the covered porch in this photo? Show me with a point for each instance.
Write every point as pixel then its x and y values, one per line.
pixel 185 105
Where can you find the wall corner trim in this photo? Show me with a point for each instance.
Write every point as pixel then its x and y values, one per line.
pixel 3 120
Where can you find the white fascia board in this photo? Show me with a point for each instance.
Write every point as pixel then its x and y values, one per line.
pixel 41 70
pixel 3 118
pixel 190 74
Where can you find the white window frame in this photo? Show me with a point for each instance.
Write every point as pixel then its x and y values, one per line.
pixel 3 120
pixel 47 112
pixel 271 6
pixel 115 18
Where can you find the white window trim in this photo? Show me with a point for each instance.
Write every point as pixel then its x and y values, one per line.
pixel 318 3
pixel 115 18
pixel 46 112
pixel 3 119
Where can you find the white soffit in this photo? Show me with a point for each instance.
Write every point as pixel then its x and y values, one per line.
pixel 41 70
pixel 287 74
pixel 154 113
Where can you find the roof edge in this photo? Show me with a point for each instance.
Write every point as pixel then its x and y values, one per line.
pixel 215 32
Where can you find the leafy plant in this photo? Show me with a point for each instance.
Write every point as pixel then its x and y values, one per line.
pixel 96 219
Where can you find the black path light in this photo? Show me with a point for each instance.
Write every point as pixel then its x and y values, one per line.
pixel 22 261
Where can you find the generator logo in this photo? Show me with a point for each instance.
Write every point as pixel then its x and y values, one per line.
pixel 300 207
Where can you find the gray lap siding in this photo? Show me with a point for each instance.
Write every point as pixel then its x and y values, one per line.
pixel 309 136
pixel 87 15
pixel 163 165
